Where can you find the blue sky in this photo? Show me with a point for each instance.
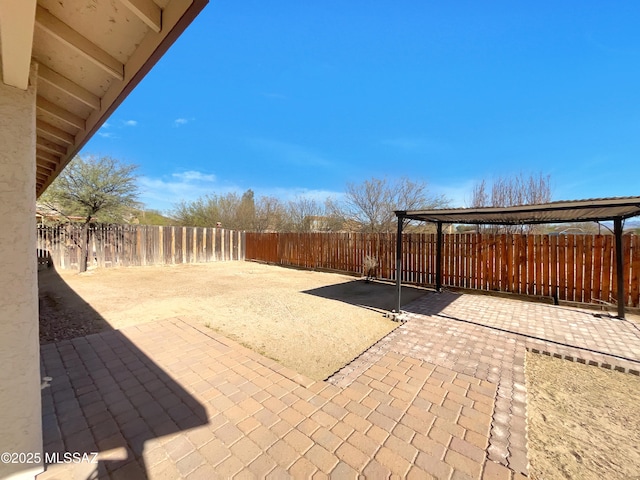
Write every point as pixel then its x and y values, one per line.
pixel 295 98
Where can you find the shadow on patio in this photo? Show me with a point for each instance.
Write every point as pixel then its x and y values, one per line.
pixel 377 295
pixel 102 393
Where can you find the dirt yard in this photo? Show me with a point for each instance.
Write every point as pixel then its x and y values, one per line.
pixel 583 421
pixel 311 322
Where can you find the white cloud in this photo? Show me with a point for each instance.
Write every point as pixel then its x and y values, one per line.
pixel 194 176
pixel 130 123
pixel 179 122
pixel 165 192
pixel 107 134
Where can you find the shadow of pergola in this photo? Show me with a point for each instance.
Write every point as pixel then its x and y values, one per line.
pixel 374 295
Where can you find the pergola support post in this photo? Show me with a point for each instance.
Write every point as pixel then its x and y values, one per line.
pixel 399 262
pixel 439 257
pixel 617 230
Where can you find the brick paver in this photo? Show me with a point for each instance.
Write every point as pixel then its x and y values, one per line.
pixel 443 395
pixel 486 338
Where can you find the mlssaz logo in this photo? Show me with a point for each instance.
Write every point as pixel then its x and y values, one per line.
pixel 70 457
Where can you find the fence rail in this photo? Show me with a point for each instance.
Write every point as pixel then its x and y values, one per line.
pixel 128 245
pixel 578 268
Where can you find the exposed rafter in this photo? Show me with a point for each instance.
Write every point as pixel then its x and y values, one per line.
pixel 48 158
pixel 44 169
pixel 49 146
pixel 147 11
pixel 45 74
pixel 40 174
pixel 63 32
pixel 44 128
pixel 60 113
pixel 16 37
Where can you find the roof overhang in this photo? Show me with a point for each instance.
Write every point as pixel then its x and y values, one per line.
pixel 90 56
pixel 592 210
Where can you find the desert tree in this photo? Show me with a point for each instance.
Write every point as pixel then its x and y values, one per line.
pixel 511 191
pixel 245 215
pixel 270 215
pixel 233 211
pixel 92 189
pixel 305 214
pixel 372 203
pixel 202 212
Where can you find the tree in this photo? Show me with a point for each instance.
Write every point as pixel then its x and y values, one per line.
pixel 304 214
pixel 93 189
pixel 203 212
pixel 510 191
pixel 270 215
pixel 246 211
pixel 371 204
pixel 232 211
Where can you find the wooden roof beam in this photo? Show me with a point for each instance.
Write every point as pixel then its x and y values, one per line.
pixel 43 175
pixel 67 86
pixel 44 128
pixel 48 158
pixel 60 113
pixel 16 37
pixel 49 146
pixel 44 169
pixel 67 35
pixel 147 11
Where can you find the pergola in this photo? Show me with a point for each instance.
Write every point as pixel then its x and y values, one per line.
pixel 591 210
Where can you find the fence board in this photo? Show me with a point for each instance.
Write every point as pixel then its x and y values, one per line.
pixel 635 270
pixel 607 269
pixel 626 261
pixel 588 268
pixel 127 245
pixel 553 265
pixel 579 267
pixel 596 291
pixel 546 280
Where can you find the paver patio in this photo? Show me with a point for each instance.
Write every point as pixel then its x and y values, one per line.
pixel 486 337
pixel 443 395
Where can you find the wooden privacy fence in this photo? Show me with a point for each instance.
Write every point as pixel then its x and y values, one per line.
pixel 578 268
pixel 128 245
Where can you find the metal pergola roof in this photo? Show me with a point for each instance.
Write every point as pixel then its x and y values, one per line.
pixel 591 210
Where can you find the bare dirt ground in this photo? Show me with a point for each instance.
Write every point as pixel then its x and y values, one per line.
pixel 312 322
pixel 583 421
